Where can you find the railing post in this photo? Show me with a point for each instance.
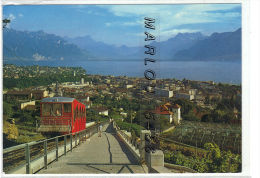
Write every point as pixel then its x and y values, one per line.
pixel 143 144
pixel 57 148
pixel 75 139
pixel 27 157
pixel 45 154
pixel 79 137
pixel 65 143
pixel 71 142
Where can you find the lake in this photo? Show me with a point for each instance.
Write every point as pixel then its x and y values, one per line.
pixel 225 72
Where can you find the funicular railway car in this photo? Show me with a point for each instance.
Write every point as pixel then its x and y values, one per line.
pixel 62 115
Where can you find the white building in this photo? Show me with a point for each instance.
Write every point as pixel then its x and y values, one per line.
pixel 169 112
pixel 29 103
pixel 163 92
pixel 176 114
pixel 185 96
pixel 82 81
pixel 129 86
pixel 193 91
pixel 102 111
pixel 124 114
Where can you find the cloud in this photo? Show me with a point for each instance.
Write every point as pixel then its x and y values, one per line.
pixel 128 23
pixel 108 24
pixel 165 35
pixel 84 10
pixel 20 15
pixel 38 57
pixel 11 17
pixel 171 16
pixel 132 23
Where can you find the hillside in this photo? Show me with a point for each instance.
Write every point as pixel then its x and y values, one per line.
pixel 38 46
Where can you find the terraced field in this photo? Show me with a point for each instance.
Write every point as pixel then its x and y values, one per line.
pixel 227 137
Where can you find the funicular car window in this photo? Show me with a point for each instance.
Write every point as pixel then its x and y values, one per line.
pixel 46 109
pixel 80 111
pixel 75 113
pixel 67 108
pixel 57 110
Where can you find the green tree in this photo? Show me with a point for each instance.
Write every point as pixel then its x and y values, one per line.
pixel 7 109
pixel 206 118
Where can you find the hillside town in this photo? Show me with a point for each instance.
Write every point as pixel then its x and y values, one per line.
pixel 174 104
pixel 98 92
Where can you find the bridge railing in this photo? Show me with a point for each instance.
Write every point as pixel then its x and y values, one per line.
pixel 133 144
pixel 30 157
pixel 136 143
pixel 133 141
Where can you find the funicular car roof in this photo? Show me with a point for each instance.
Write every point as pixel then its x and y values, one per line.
pixel 58 99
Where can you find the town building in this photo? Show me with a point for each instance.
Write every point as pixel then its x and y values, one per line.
pixel 163 92
pixel 102 111
pixel 28 105
pixel 193 91
pixel 129 86
pixel 170 112
pixel 39 94
pixel 19 95
pixel 82 81
pixel 185 96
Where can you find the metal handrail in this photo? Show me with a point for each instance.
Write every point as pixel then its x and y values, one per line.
pixel 135 143
pixel 76 137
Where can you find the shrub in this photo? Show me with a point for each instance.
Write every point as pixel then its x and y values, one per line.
pixel 128 126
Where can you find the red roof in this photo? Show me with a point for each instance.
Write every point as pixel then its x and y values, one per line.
pixel 165 109
pixel 158 111
pixel 162 109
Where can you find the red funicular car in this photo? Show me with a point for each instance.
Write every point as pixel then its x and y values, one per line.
pixel 62 115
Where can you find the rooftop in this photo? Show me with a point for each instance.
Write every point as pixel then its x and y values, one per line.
pixel 58 99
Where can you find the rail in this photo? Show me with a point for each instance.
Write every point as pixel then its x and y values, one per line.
pixel 136 143
pixel 133 143
pixel 31 157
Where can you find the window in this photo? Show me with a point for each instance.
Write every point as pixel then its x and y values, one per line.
pixel 67 108
pixel 57 110
pixel 46 109
pixel 75 114
pixel 81 112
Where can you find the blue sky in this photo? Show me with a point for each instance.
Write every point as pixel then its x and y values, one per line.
pixel 123 24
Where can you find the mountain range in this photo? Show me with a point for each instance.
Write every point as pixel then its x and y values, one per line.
pixel 40 46
pixel 219 46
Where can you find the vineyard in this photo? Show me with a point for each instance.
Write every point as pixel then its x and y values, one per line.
pixel 227 137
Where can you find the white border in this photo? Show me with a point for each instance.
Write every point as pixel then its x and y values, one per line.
pixel 246 65
pixel 255 87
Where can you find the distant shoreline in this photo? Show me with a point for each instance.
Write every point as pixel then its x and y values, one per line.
pixel 101 73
